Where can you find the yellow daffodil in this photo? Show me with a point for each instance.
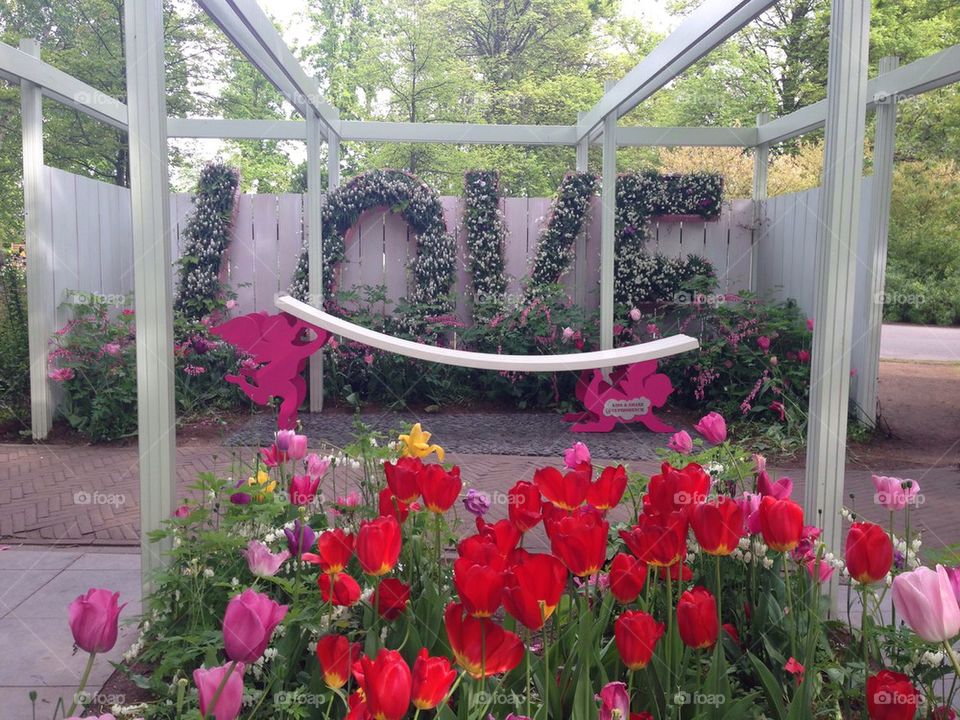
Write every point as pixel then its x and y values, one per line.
pixel 417 444
pixel 263 483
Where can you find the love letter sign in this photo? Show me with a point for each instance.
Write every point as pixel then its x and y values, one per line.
pixel 630 396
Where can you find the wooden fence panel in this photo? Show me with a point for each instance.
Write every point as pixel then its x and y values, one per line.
pixel 289 237
pixel 515 253
pixel 243 260
pixel 398 252
pixel 266 249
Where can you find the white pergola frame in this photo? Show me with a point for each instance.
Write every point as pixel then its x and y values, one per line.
pixel 849 97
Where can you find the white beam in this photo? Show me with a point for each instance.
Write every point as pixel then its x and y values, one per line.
pixel 150 200
pixel 16 65
pixel 630 136
pixel 457 133
pixel 254 34
pixel 220 128
pixel 40 302
pixel 761 171
pixel 918 77
pixel 868 370
pixel 836 267
pixel 314 213
pixel 608 210
pixel 580 267
pixel 704 29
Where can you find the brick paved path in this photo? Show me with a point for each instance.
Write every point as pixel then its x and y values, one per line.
pixel 75 495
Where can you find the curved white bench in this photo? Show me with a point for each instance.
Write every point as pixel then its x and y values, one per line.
pixel 653 350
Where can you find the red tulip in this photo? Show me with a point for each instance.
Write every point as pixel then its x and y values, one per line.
pixel 480 646
pixel 482 550
pixel 248 623
pixel 636 634
pixel 658 540
pixel 480 587
pixel 378 545
pixel 697 618
pixel 303 489
pixel 781 522
pixel 334 550
pixel 676 489
pixel 891 696
pixel 717 525
pixel 523 505
pixel 391 597
pixel 532 589
pixel 432 678
pixel 340 590
pixel 568 491
pixel 403 478
pixel 627 576
pixel 608 489
pixel 580 541
pixel 676 572
pixel 503 533
pixel 336 655
pixel 387 685
pixel 391 506
pixel 440 488
pixel 869 552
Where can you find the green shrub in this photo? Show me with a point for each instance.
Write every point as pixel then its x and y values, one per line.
pixel 15 358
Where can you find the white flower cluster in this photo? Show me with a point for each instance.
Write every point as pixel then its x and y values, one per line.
pixel 555 246
pixel 485 233
pixel 207 238
pixel 419 205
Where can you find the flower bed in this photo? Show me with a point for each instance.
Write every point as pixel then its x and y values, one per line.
pixel 695 593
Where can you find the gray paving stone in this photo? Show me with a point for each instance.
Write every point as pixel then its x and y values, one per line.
pixel 55 597
pixel 18 585
pixel 37 559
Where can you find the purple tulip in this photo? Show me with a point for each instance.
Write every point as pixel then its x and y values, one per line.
pixel 300 538
pixel 93 620
pixel 231 697
pixel 292 445
pixel 476 502
pixel 248 623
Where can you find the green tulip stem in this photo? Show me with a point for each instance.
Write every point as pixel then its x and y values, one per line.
pixel 719 594
pixel 83 683
pixel 330 705
pixel 952 656
pixel 223 684
pixel 546 663
pixel 790 608
pixel 526 656
pixel 669 648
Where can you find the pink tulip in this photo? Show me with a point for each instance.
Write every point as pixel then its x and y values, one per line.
pixel 93 620
pixel 248 624
pixel 803 356
pixel 825 570
pixel 759 462
pixel 576 455
pixel 292 445
pixel 231 697
pixel 763 342
pixel 568 334
pixel 303 489
pixel 891 493
pixel 614 702
pixel 261 561
pixel 781 489
pixel 810 324
pixel 635 314
pixel 954 575
pixel 681 442
pixel 182 511
pixel 713 427
pixel 317 466
pixel 924 598
pixel 750 508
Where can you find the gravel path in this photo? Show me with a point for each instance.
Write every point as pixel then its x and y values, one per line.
pixel 542 434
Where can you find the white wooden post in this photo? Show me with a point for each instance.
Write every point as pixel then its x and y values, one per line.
pixel 865 393
pixel 40 301
pixel 836 263
pixel 333 162
pixel 580 259
pixel 608 204
pixel 761 168
pixel 150 200
pixel 315 246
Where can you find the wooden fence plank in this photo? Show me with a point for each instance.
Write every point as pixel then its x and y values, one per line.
pixel 398 252
pixel 290 237
pixel 515 252
pixel 266 249
pixel 243 257
pixel 64 237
